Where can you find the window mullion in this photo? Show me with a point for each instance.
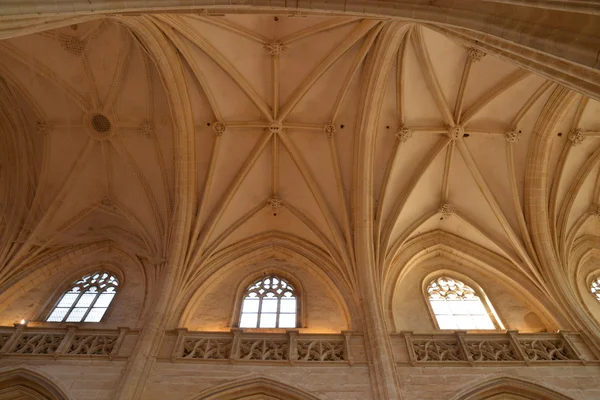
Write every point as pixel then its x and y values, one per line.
pixel 260 300
pixel 72 306
pixel 90 306
pixel 278 312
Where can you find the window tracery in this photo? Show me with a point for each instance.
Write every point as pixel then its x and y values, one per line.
pixel 87 300
pixel 595 288
pixel 270 302
pixel 456 305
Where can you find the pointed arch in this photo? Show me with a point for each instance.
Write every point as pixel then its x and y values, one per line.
pixel 262 248
pixel 508 385
pixel 22 380
pixel 245 388
pixel 421 248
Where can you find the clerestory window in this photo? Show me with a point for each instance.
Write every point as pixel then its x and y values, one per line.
pixel 595 288
pixel 270 302
pixel 456 305
pixel 87 300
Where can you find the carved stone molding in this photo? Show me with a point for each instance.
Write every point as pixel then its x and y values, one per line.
pixel 274 203
pixel 455 132
pixel 510 347
pixel 476 54
pixel 262 347
pixel 61 342
pixel 329 130
pixel 446 211
pixel 577 137
pixel 512 135
pixel 275 48
pixel 404 134
pixel 219 128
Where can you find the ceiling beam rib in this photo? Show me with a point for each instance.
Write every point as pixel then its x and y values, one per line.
pixel 223 203
pixel 123 63
pixel 210 174
pixel 493 93
pixel 214 245
pixel 150 117
pixel 121 149
pixel 41 247
pixel 317 195
pixel 530 102
pixel 95 95
pixel 596 198
pixel 482 132
pixel 44 72
pixel 232 27
pixel 430 130
pixel 135 222
pixel 447 169
pixel 431 79
pixel 197 71
pixel 512 176
pixel 357 33
pixel 275 166
pixel 391 164
pixel 589 213
pixel 303 126
pixel 246 124
pixel 339 183
pixel 275 75
pixel 558 174
pixel 217 57
pixel 330 247
pixel 508 254
pixel 108 167
pixel 52 209
pixel 402 197
pixel 460 97
pixel 570 196
pixel 398 243
pixel 313 30
pixel 491 200
pixel 400 67
pixel 364 50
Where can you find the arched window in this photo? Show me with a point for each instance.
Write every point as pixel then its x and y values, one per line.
pixel 87 300
pixel 595 288
pixel 457 306
pixel 270 302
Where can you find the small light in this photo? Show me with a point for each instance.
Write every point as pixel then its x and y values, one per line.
pixel 23 322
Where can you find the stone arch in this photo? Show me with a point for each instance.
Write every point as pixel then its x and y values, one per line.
pixel 511 387
pixel 259 249
pixel 250 388
pixel 455 249
pixel 26 384
pixel 63 266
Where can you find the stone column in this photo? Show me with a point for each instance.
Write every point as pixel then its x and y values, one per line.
pixel 384 377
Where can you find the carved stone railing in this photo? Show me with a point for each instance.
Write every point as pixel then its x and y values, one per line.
pixel 239 346
pixel 65 342
pixel 496 348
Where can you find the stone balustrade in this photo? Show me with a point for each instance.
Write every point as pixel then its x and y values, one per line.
pixel 241 346
pixel 511 347
pixel 60 342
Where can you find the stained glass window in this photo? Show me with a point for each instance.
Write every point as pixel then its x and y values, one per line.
pixel 270 302
pixel 87 300
pixel 595 288
pixel 457 306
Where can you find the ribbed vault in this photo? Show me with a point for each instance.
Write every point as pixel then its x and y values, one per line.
pixel 189 140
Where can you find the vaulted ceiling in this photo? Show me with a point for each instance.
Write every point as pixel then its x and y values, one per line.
pixel 274 101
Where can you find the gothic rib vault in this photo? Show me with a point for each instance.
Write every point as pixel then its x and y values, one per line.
pixel 182 142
